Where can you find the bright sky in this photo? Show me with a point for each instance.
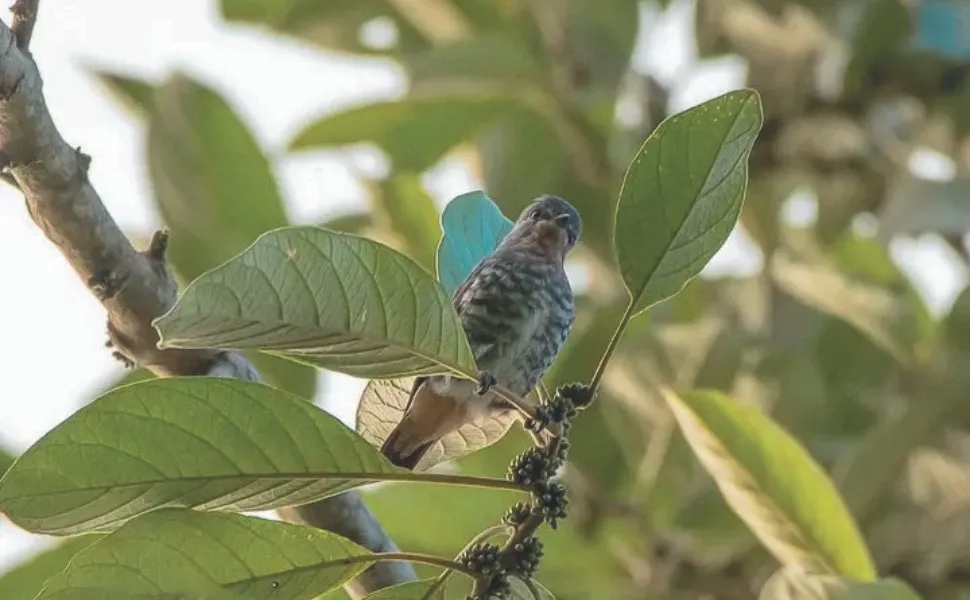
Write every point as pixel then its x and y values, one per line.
pixel 53 355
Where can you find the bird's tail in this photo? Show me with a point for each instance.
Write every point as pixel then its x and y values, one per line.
pixel 430 417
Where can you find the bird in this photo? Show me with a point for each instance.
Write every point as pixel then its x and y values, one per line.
pixel 516 308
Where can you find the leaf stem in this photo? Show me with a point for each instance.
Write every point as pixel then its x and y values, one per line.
pixel 413 557
pixel 481 537
pixel 465 480
pixel 610 348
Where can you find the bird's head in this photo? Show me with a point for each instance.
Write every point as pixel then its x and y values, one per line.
pixel 551 223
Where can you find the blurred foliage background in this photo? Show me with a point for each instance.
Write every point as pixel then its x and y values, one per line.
pixel 829 336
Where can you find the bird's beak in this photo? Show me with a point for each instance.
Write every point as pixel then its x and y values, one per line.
pixel 562 220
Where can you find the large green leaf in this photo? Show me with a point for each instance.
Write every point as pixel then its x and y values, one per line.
pixel 412 590
pixel 210 443
pixel 682 195
pixel 773 484
pixel 175 553
pixel 382 406
pixel 416 132
pixel 792 584
pixel 340 301
pixel 26 579
pixel 213 184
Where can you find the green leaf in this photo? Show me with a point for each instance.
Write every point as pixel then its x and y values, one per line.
pixel 486 58
pixel 473 227
pixel 411 213
pixel 335 24
pixel 885 317
pixel 183 553
pixel 792 584
pixel 134 93
pixel 213 184
pixel 682 195
pixel 412 590
pixel 339 301
pixel 6 459
pixel 382 406
pixel 26 579
pixel 286 374
pixel 416 132
pixel 773 484
pixel 198 442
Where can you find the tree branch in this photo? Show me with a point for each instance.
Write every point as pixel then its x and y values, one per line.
pixel 134 287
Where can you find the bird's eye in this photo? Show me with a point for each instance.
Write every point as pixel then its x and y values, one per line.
pixel 535 215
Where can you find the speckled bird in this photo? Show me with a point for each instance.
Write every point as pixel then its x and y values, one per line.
pixel 516 307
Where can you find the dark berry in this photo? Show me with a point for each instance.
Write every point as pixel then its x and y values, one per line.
pixel 541 420
pixel 518 514
pixel 579 393
pixel 527 555
pixel 552 501
pixel 481 558
pixel 531 468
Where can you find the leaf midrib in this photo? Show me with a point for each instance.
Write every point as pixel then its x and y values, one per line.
pixel 770 501
pixel 680 227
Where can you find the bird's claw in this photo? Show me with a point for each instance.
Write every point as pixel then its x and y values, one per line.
pixel 540 419
pixel 485 382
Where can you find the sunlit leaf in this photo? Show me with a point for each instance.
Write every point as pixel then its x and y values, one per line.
pixel 382 407
pixel 342 302
pixel 884 317
pixel 416 132
pixel 176 553
pixel 135 93
pixel 473 227
pixel 26 579
pixel 793 584
pixel 213 184
pixel 207 443
pixel 682 195
pixel 773 484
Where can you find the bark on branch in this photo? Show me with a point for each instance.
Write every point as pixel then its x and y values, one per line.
pixel 134 287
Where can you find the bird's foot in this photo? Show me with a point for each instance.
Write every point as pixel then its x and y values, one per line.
pixel 540 419
pixel 485 382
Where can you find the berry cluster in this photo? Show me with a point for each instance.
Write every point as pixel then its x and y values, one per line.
pixel 498 589
pixel 518 514
pixel 482 558
pixel 532 467
pixel 552 501
pixel 527 555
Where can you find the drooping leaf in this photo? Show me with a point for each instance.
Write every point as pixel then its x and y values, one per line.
pixel 213 184
pixel 473 227
pixel 339 301
pixel 136 94
pixel 773 484
pixel 198 442
pixel 26 579
pixel 884 317
pixel 174 553
pixel 793 584
pixel 682 195
pixel 416 132
pixel 409 211
pixel 382 406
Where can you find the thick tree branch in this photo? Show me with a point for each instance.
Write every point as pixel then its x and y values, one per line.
pixel 134 287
